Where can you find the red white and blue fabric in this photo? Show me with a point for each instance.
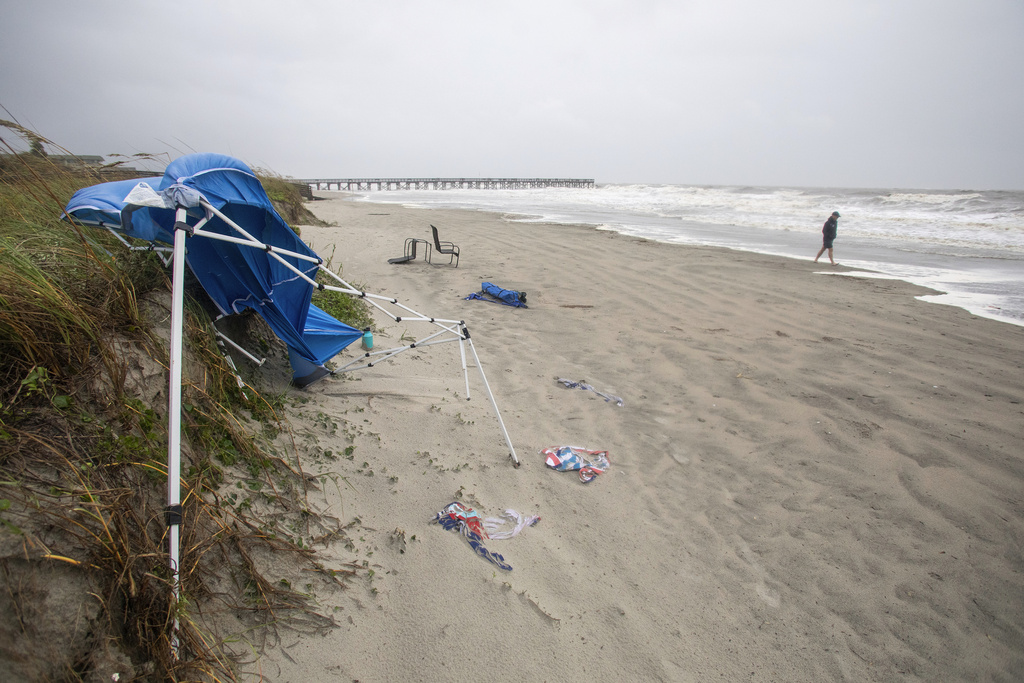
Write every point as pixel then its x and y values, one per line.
pixel 565 458
pixel 465 520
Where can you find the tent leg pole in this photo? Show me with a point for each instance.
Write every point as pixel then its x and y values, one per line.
pixel 501 423
pixel 174 416
pixel 231 363
pixel 465 372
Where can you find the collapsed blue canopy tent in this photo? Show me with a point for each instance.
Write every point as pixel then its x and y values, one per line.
pixel 250 258
pixel 245 256
pixel 235 276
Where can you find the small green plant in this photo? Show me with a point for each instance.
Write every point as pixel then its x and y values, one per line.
pixel 4 505
pixel 347 308
pixel 36 381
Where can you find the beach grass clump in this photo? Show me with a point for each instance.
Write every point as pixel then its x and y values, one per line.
pixel 344 307
pixel 347 308
pixel 84 581
pixel 287 198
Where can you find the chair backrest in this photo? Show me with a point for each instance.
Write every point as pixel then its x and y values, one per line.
pixel 446 248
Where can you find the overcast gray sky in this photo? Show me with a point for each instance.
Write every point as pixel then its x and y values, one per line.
pixel 852 93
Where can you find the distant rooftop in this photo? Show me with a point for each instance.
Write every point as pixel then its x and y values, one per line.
pixel 76 159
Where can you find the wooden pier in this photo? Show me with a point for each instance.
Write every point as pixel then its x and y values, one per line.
pixel 383 184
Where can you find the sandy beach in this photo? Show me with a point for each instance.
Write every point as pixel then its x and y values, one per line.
pixel 813 477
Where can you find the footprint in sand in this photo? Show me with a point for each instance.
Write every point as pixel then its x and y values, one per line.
pixel 768 595
pixel 678 455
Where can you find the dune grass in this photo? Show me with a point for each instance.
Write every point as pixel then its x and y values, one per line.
pixel 83 450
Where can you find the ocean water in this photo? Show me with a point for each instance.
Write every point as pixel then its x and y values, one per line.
pixel 966 245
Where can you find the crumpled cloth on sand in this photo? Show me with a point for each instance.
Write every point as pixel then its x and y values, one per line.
pixel 572 384
pixel 589 463
pixel 465 520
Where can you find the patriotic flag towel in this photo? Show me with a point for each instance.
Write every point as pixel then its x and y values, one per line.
pixel 589 463
pixel 465 520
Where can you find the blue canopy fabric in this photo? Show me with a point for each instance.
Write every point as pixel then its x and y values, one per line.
pixel 236 277
pixel 499 295
pixel 101 204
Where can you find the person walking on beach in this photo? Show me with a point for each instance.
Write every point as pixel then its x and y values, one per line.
pixel 828 232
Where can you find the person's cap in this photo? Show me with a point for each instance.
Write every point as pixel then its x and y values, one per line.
pixel 836 214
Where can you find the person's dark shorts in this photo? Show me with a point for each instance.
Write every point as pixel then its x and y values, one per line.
pixel 828 242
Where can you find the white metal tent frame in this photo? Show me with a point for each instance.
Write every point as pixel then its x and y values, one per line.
pixel 448 331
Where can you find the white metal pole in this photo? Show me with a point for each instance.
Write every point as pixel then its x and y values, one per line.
pixel 494 404
pixel 174 412
pixel 465 372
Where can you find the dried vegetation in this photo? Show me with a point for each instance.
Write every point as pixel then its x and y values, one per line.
pixel 84 583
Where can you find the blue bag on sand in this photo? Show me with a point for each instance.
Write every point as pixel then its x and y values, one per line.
pixel 509 297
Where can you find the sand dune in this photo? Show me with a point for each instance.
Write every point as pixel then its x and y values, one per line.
pixel 814 477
